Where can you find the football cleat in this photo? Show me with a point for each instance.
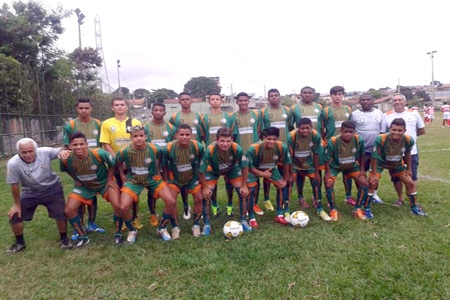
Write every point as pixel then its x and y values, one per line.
pixel 418 211
pixel 359 214
pixel 154 220
pixel 350 201
pixel 246 226
pixel 137 224
pixel 187 213
pixel 334 215
pixel 175 233
pixel 376 199
pixel 369 213
pixel 132 235
pixel 94 228
pixel 82 240
pixel 164 234
pixel 324 216
pixel 16 247
pixel 268 205
pixel 302 203
pixel 253 223
pixel 280 219
pixel 258 210
pixel 196 231
pixel 65 244
pixel 206 230
pixel 118 239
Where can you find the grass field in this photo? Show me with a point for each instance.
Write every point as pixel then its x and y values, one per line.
pixel 394 256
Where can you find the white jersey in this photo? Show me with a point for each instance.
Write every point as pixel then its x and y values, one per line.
pixel 36 177
pixel 368 126
pixel 413 121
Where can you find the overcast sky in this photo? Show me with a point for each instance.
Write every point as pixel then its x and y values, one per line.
pixel 273 44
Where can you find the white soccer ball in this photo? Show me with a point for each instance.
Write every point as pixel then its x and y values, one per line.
pixel 299 219
pixel 232 229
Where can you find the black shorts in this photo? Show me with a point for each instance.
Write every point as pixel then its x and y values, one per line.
pixel 53 200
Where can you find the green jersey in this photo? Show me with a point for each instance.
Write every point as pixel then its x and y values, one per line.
pixel 193 119
pixel 263 159
pixel 159 134
pixel 221 162
pixel 302 149
pixel 343 156
pixel 181 162
pixel 91 171
pixel 90 129
pixel 140 164
pixel 213 122
pixel 247 127
pixel 331 119
pixel 311 112
pixel 280 118
pixel 389 154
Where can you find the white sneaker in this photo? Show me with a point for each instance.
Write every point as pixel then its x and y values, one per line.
pixel 175 233
pixel 196 231
pixel 324 216
pixel 187 214
pixel 164 234
pixel 132 236
pixel 376 199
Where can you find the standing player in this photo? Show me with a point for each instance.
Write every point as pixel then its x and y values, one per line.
pixel 90 127
pixel 279 116
pixel 181 161
pixel 264 158
pixel 140 160
pixel 248 124
pixel 305 147
pixel 31 169
pixel 345 153
pixel 331 119
pixel 114 135
pixel 188 116
pixel 306 108
pixel 226 158
pixel 93 173
pixel 430 114
pixel 414 128
pixel 445 115
pixel 212 122
pixel 159 132
pixel 368 126
pixel 392 151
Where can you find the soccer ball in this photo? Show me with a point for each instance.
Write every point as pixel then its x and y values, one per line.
pixel 299 219
pixel 232 229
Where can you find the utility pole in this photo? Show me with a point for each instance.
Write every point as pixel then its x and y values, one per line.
pixel 431 54
pixel 118 78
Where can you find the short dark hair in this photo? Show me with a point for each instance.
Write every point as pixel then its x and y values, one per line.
pixel 184 126
pixel 83 100
pixel 241 94
pixel 398 122
pixel 304 121
pixel 307 87
pixel 118 98
pixel 366 94
pixel 77 135
pixel 273 91
pixel 159 104
pixel 336 89
pixel 215 94
pixel 348 124
pixel 224 132
pixel 271 131
pixel 183 93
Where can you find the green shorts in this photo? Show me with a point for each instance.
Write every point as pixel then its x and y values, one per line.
pixel 234 176
pixel 155 185
pixel 86 194
pixel 252 179
pixel 353 172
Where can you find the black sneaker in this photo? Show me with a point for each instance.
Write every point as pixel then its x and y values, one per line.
pixel 82 240
pixel 65 244
pixel 16 247
pixel 118 240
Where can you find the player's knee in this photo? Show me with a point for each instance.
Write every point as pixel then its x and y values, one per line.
pixel 15 220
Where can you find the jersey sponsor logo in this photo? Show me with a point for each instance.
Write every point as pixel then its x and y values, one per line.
pixel 147 160
pixel 301 154
pixel 93 168
pixel 223 166
pixel 160 143
pixel 245 130
pixel 393 157
pixel 252 121
pixel 353 150
pixel 284 116
pixel 316 110
pixel 275 157
pixel 346 160
pixel 192 156
pixel 95 132
pixel 213 130
pixel 165 133
pixel 76 191
pixel 92 142
pixel 338 124
pixel 267 166
pixel 195 121
pixel 184 168
pixel 194 130
pixel 312 118
pixel 87 177
pixel 122 141
pixel 224 121
pixel 139 170
pixel 279 124
pixel 113 128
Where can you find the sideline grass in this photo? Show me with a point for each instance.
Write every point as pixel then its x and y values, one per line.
pixel 395 256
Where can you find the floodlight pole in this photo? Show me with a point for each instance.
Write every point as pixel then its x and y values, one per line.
pixel 118 77
pixel 431 54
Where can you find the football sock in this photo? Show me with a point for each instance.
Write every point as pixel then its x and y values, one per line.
pixel 118 222
pixel 368 200
pixel 413 199
pixel 266 188
pixel 92 211
pixel 330 198
pixel 129 225
pixel 151 204
pixel 76 223
pixel 229 188
pixel 20 239
pixel 251 203
pixel 348 186
pixel 164 220
pixel 300 184
pixel 361 196
pixel 205 212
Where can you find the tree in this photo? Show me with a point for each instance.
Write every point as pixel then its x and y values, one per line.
pixel 200 87
pixel 141 93
pixel 406 91
pixel 287 100
pixel 376 94
pixel 159 95
pixel 421 94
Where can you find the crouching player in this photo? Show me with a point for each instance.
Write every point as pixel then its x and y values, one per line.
pixel 182 158
pixel 226 158
pixel 140 160
pixel 392 151
pixel 93 174
pixel 305 147
pixel 263 159
pixel 345 153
